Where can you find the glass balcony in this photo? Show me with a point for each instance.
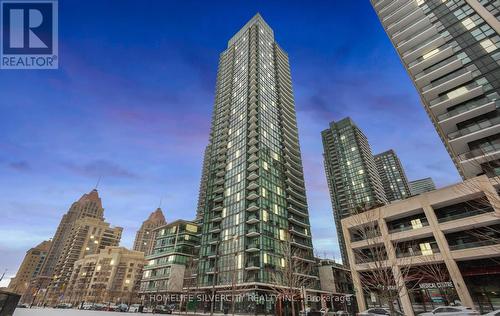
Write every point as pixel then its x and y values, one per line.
pixel 463 213
pixel 407 223
pixel 462 210
pixel 480 152
pixel 474 128
pixel 465 107
pixel 478 237
pixel 420 248
pixel 474 244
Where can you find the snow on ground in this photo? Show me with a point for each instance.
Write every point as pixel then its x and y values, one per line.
pixel 66 312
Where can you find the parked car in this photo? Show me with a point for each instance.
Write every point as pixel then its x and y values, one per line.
pixel 98 307
pixel 134 308
pixel 162 309
pixel 63 305
pixel 86 306
pixel 493 313
pixel 451 311
pixel 376 311
pixel 121 308
pixel 23 306
pixel 110 307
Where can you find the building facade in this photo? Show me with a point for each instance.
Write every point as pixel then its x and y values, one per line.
pixel 88 236
pixel 202 195
pixel 144 236
pixel 392 175
pixel 450 51
pixel 88 206
pixel 334 277
pixel 30 268
pixel 351 173
pixel 421 186
pixel 174 246
pixel 110 276
pixel 438 247
pixel 255 191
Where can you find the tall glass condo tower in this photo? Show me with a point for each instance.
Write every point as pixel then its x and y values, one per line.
pixel 450 49
pixel 255 194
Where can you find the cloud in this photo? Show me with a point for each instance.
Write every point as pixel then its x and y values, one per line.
pixel 20 165
pixel 100 168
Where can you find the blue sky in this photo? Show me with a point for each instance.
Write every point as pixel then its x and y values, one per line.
pixel 132 102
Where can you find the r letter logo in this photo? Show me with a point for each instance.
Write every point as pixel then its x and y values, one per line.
pixel 29 34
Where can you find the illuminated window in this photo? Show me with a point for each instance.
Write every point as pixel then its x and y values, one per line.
pixel 282 234
pixel 488 45
pixel 416 223
pixel 468 23
pixel 457 92
pixel 431 53
pixel 191 228
pixel 426 249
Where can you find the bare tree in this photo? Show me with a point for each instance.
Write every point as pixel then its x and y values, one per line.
pixel 433 270
pixel 386 276
pixel 486 200
pixel 292 274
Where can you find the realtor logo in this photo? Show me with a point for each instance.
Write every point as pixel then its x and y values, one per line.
pixel 29 35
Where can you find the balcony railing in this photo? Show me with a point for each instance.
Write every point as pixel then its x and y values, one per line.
pixel 475 244
pixel 480 152
pixel 467 213
pixel 413 253
pixel 474 128
pixel 466 107
pixel 408 226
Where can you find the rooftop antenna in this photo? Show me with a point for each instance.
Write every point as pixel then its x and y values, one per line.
pixel 98 182
pixel 1 277
pixel 161 200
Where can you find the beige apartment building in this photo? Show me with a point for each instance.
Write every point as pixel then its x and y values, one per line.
pixel 30 268
pixel 111 276
pixel 455 229
pixel 144 236
pixel 88 236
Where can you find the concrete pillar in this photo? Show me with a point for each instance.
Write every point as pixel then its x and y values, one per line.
pixel 451 265
pixel 358 287
pixel 404 297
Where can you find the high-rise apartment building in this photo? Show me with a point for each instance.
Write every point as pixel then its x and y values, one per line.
pixel 88 236
pixel 352 176
pixel 112 275
pixel 202 196
pixel 392 175
pixel 421 186
pixel 174 246
pixel 144 236
pixel 255 191
pixel 30 268
pixel 88 206
pixel 450 51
